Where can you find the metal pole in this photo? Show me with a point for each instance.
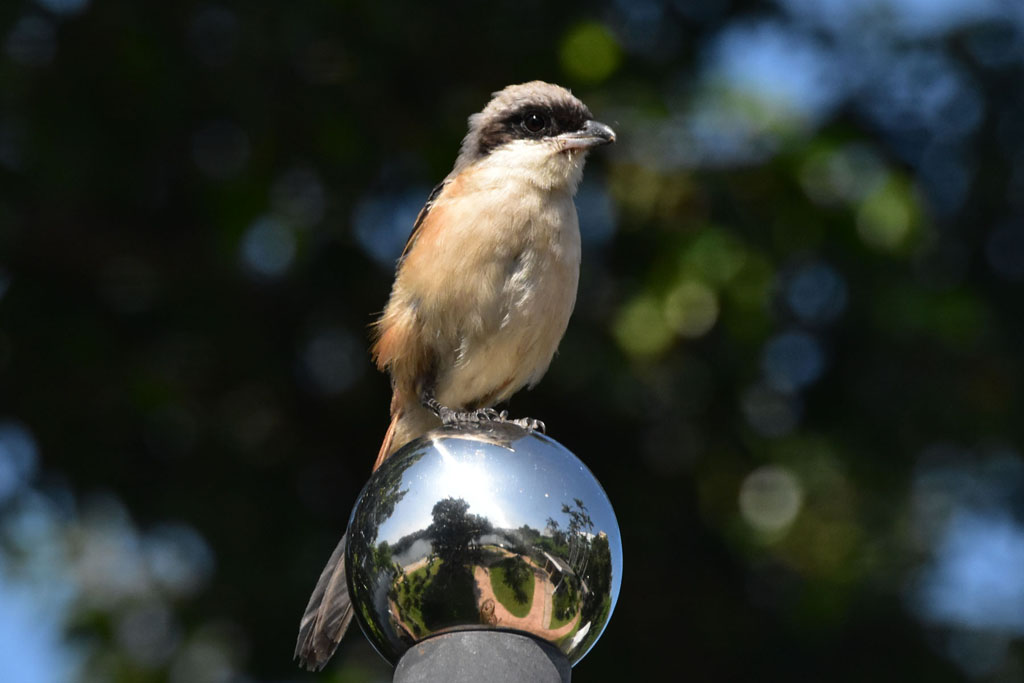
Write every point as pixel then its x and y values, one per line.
pixel 473 656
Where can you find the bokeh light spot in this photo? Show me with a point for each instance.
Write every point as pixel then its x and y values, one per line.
pixel 298 196
pixel 749 295
pixel 995 45
pixel 983 654
pixel 972 583
pixel 641 329
pixel 18 458
pixel 178 558
pixel 848 174
pixel 885 219
pixel 207 657
pixel 816 293
pixel 333 360
pixel 785 74
pixel 716 255
pixel 382 223
pixel 926 91
pixel 148 633
pixel 590 53
pixel 109 569
pixel 644 29
pixel 792 360
pixel 770 498
pixel 691 309
pixel 268 247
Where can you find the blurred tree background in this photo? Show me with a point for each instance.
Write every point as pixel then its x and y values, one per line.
pixel 795 362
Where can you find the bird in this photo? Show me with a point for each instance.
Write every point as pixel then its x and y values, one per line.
pixel 482 294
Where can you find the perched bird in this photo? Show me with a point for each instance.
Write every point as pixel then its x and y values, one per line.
pixel 482 294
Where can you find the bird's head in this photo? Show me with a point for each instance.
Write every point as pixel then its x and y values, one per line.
pixel 534 130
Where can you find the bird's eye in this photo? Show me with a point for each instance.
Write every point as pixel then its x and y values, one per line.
pixel 535 122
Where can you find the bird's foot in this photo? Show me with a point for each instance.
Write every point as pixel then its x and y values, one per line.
pixel 463 418
pixel 469 418
pixel 475 418
pixel 528 423
pixel 531 425
pixel 448 416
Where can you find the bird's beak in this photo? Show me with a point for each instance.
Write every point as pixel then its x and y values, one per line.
pixel 593 134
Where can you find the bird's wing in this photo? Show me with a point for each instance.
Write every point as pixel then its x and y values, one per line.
pixel 421 217
pixel 327 615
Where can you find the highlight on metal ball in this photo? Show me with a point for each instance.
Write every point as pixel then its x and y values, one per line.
pixel 493 527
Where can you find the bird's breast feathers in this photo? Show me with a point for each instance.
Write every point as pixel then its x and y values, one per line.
pixel 508 254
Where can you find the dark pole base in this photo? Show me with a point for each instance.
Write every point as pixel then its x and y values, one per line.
pixel 473 656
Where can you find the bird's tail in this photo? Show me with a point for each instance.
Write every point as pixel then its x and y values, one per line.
pixel 329 611
pixel 327 615
pixel 409 420
pixel 387 447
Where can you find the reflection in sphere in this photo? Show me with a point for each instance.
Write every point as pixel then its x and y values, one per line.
pixel 489 528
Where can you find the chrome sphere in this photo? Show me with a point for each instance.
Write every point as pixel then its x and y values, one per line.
pixel 492 527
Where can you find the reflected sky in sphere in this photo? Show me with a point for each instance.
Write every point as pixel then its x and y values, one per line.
pixel 535 492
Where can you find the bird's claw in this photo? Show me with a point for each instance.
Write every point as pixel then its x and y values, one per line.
pixel 488 415
pixel 530 424
pixel 454 418
pixel 451 417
